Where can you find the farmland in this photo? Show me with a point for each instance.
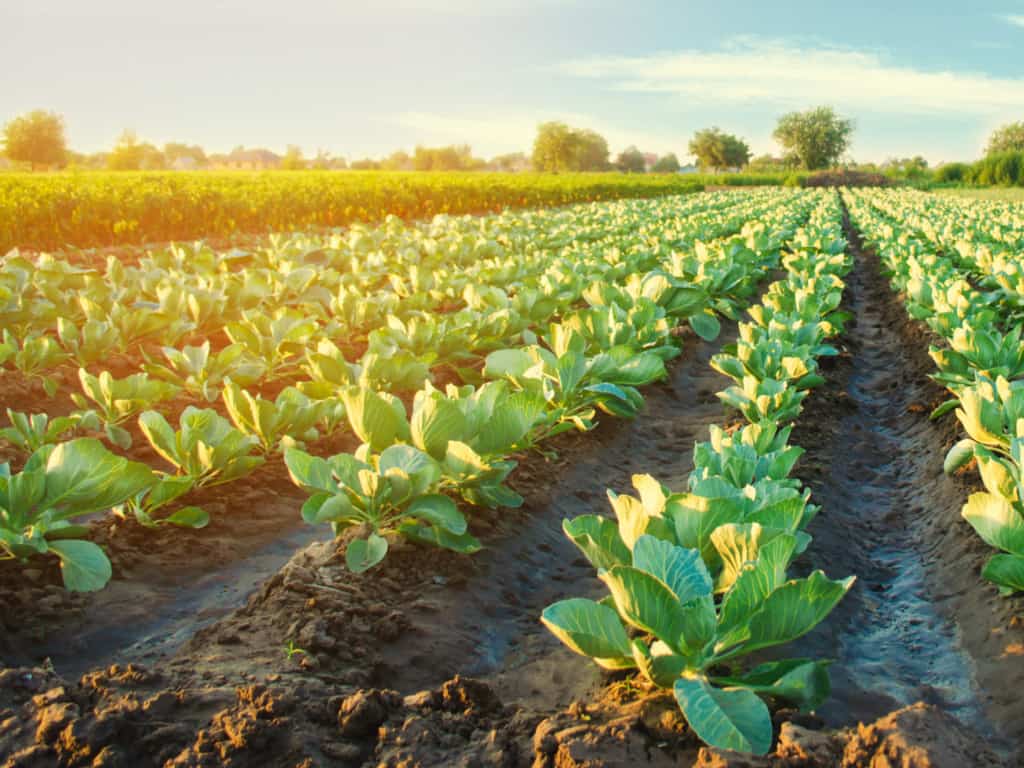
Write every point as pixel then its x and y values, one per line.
pixel 87 209
pixel 600 475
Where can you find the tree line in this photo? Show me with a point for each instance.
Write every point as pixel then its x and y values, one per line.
pixel 813 139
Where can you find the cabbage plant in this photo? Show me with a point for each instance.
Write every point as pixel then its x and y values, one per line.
pixel 690 643
pixel 59 484
pixel 115 401
pixel 992 413
pixel 393 492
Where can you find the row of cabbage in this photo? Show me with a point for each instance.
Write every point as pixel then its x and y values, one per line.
pixel 961 273
pixel 549 330
pixel 698 578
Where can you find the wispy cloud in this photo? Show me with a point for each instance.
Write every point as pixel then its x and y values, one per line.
pixel 753 70
pixel 1016 19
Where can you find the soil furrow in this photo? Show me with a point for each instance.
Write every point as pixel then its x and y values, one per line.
pixel 889 516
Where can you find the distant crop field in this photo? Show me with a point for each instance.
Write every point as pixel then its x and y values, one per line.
pixel 1015 194
pixel 90 209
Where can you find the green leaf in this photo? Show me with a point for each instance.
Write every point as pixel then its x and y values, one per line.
pixel 83 565
pixel 791 611
pixel 82 476
pixel 996 521
pixel 945 408
pixel 435 536
pixel 598 538
pixel 437 509
pixel 705 325
pixel 958 456
pixel 590 629
pixel 801 682
pixel 309 471
pixel 160 435
pixel 363 554
pixel 732 718
pixel 647 604
pixel 507 362
pixel 1007 571
pixel 435 422
pixel 374 418
pixel 122 438
pixel 658 663
pixel 188 517
pixel 681 570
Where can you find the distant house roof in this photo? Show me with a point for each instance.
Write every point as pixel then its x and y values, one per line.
pixel 184 163
pixel 263 157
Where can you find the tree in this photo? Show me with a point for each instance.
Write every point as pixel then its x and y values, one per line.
pixel 666 164
pixel 559 148
pixel 631 160
pixel 718 151
pixel 815 138
pixel 398 160
pixel 36 138
pixel 590 151
pixel 293 159
pixel 325 161
pixel 131 155
pixel 1008 138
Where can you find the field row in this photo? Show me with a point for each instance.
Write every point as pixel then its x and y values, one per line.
pixel 958 266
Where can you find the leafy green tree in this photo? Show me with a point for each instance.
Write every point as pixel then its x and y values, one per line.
pixel 717 151
pixel 910 168
pixel 666 164
pixel 631 160
pixel 559 148
pixel 129 154
pixel 293 159
pixel 36 138
pixel 1008 138
pixel 815 138
pixel 450 158
pixel 590 151
pixel 325 161
pixel 553 148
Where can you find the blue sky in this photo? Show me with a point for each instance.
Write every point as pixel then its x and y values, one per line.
pixel 362 79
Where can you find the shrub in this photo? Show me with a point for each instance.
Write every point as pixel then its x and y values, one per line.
pixel 951 172
pixel 848 178
pixel 1004 169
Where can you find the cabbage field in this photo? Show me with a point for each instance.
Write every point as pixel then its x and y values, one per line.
pixel 726 478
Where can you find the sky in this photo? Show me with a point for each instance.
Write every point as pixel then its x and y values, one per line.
pixel 363 79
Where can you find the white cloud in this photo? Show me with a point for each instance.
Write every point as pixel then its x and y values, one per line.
pixel 1016 20
pixel 514 131
pixel 757 71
